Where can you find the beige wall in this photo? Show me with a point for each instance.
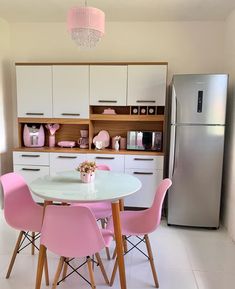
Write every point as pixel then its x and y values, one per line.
pixel 229 167
pixel 5 99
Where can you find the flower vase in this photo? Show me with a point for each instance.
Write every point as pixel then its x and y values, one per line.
pixel 87 177
pixel 51 141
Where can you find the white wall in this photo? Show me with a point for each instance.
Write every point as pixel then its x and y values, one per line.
pixel 229 167
pixel 5 99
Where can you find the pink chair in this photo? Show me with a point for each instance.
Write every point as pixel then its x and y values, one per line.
pixel 21 213
pixel 142 223
pixel 72 232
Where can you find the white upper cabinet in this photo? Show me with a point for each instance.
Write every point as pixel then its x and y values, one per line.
pixel 146 85
pixel 71 91
pixel 108 85
pixel 34 91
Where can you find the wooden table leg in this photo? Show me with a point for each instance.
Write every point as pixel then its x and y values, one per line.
pixel 119 244
pixel 42 254
pixel 121 206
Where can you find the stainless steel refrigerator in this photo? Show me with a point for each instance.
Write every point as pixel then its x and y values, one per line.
pixel 197 126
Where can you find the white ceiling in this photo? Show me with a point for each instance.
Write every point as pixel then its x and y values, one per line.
pixel 118 10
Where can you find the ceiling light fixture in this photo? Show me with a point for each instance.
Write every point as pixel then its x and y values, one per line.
pixel 86 25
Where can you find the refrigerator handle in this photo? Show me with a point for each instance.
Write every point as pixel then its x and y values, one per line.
pixel 173 106
pixel 172 151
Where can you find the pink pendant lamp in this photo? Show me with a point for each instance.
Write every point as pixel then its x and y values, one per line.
pixel 86 25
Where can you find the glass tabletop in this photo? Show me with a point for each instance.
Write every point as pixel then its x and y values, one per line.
pixel 68 187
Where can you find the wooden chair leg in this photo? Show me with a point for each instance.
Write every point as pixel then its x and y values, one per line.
pixel 101 265
pixel 41 262
pixel 106 249
pixel 91 273
pixel 65 270
pixel 58 272
pixel 46 271
pixel 33 243
pixel 14 254
pixel 114 253
pixel 114 272
pixel 150 254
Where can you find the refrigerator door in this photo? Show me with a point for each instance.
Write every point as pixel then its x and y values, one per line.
pixel 199 99
pixel 196 171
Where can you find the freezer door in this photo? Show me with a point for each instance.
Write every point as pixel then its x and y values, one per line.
pixel 199 99
pixel 196 172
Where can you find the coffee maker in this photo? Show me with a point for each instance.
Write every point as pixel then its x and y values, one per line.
pixel 83 141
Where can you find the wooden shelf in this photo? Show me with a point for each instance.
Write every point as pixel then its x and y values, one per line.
pixel 53 120
pixel 87 151
pixel 126 117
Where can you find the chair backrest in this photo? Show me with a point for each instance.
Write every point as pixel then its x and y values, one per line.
pixel 103 168
pixel 71 231
pixel 155 211
pixel 17 198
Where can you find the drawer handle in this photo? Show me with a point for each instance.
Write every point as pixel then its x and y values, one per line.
pixel 34 113
pixel 72 114
pixel 30 156
pixel 139 159
pixel 105 158
pixel 67 157
pixel 110 101
pixel 33 170
pixel 145 101
pixel 142 173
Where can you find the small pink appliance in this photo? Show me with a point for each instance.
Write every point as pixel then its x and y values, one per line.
pixel 34 135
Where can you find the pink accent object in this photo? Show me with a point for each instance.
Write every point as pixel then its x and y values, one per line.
pixel 51 141
pixel 109 111
pixel 52 128
pixel 103 136
pixel 67 144
pixel 86 17
pixel 101 210
pixel 80 239
pixel 87 177
pixel 33 136
pixel 20 210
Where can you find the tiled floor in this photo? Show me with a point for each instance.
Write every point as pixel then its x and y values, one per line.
pixel 184 258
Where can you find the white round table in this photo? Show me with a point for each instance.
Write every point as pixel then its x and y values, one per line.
pixel 67 187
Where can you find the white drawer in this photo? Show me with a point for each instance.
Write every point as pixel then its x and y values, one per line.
pixel 115 162
pixel 143 162
pixel 31 158
pixel 60 162
pixel 150 180
pixel 31 173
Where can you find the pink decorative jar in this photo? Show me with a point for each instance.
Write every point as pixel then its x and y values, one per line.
pixel 87 177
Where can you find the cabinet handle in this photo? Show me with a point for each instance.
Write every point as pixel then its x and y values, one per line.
pixel 142 173
pixel 33 170
pixel 105 158
pixel 139 159
pixel 34 113
pixel 110 101
pixel 67 157
pixel 145 101
pixel 72 114
pixel 30 156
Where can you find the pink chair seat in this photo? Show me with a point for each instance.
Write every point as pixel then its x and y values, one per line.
pixel 101 210
pixel 107 236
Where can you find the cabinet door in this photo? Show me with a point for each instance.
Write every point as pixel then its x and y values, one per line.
pixel 71 91
pixel 61 162
pixel 31 173
pixel 146 85
pixel 143 162
pixel 34 91
pixel 31 158
pixel 115 162
pixel 108 85
pixel 150 180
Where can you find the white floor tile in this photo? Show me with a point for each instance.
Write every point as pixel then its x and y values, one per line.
pixel 215 280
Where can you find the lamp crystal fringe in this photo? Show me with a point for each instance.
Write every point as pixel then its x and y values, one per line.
pixel 86 25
